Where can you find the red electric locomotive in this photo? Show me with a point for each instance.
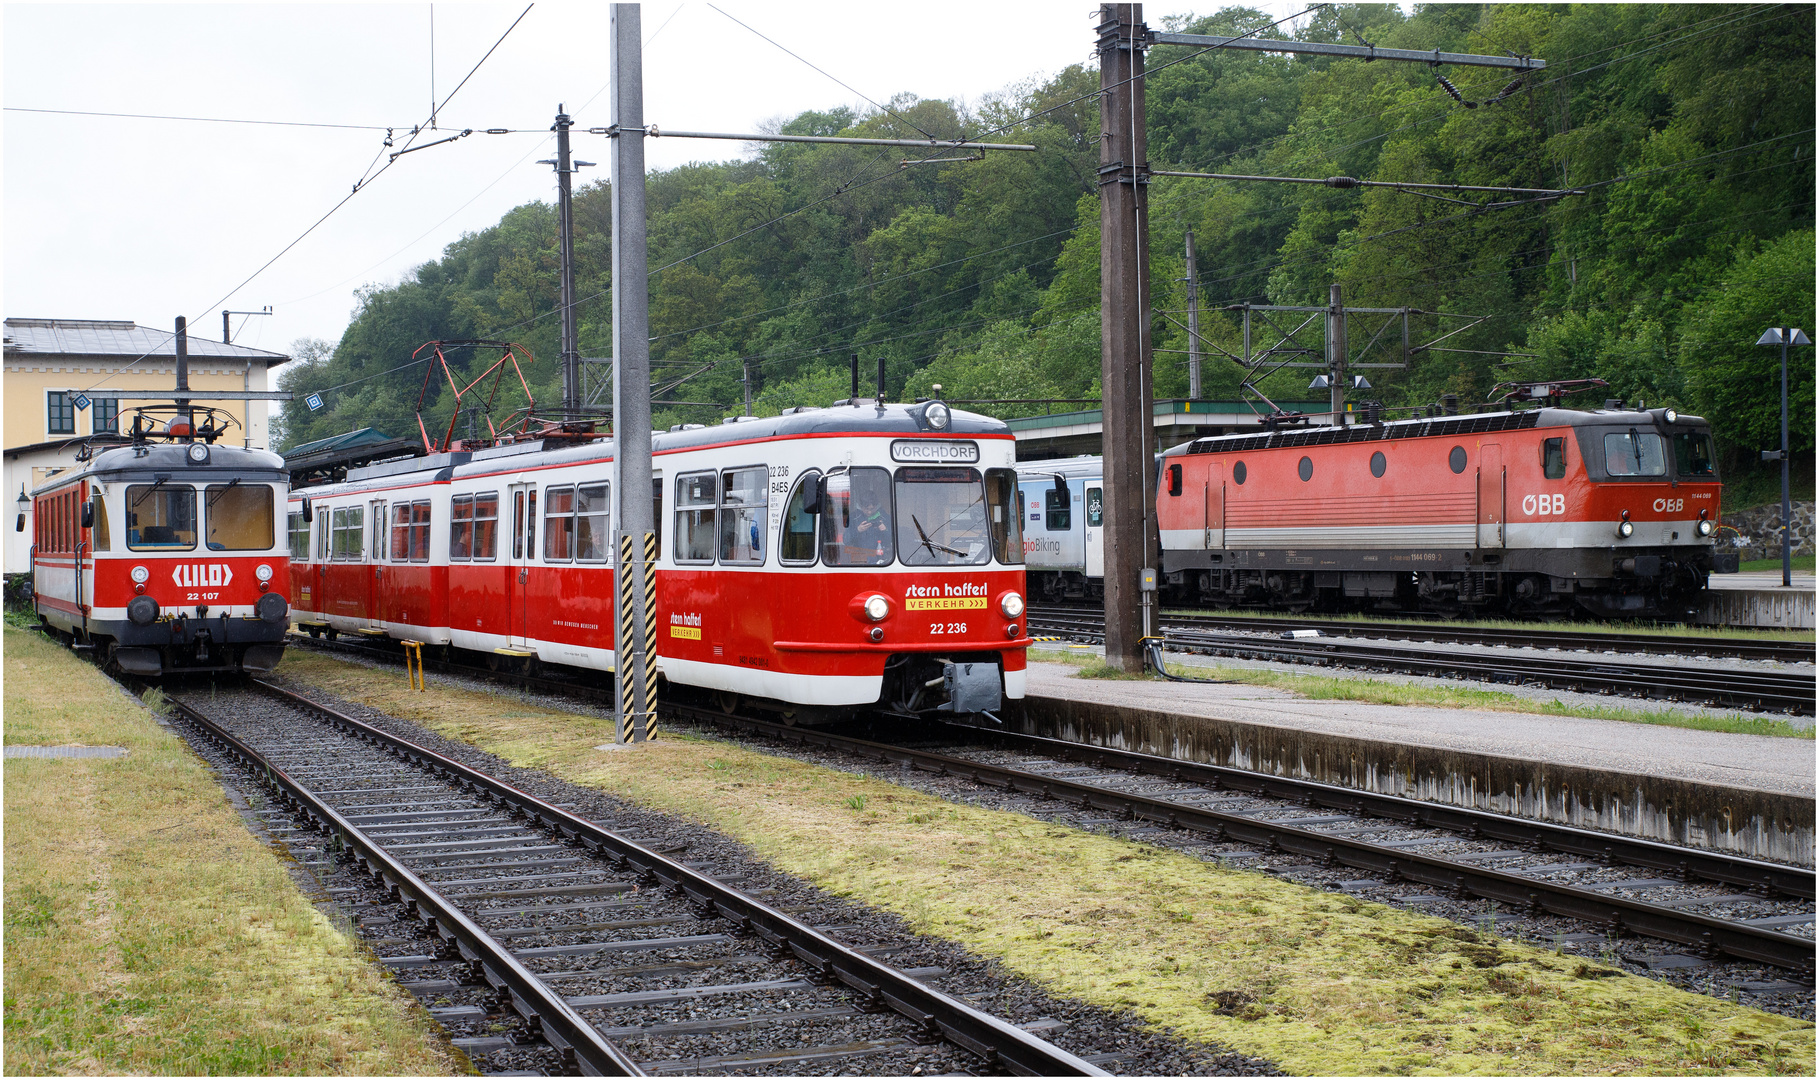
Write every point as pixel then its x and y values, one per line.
pixel 1610 512
pixel 863 555
pixel 164 554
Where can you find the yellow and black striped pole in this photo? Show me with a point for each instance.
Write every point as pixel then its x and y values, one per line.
pixel 650 635
pixel 622 648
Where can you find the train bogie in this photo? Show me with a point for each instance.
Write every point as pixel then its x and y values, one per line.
pixel 166 557
pixel 819 562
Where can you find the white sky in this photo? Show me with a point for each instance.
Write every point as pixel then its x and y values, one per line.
pixel 149 219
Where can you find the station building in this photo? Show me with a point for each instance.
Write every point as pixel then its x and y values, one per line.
pixel 54 366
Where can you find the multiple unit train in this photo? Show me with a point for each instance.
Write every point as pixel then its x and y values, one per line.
pixel 863 556
pixel 164 555
pixel 1608 513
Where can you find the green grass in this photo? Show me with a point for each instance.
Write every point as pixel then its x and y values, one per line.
pixel 1802 564
pixel 1381 692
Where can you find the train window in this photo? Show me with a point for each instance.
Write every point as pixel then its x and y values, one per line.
pixel 350 533
pixel 1095 508
pixel 1305 469
pixel 593 538
pixel 1379 464
pixel 1238 473
pixel 99 535
pixel 461 528
pixel 1456 460
pixel 796 545
pixel 1693 454
pixel 411 543
pixel 322 531
pixel 856 519
pixel 296 531
pixel 162 517
pixel 1634 453
pixel 241 517
pixel 745 515
pixel 695 501
pixel 1553 458
pixel 1007 523
pixel 941 517
pixel 559 524
pixel 1057 511
pixel 486 527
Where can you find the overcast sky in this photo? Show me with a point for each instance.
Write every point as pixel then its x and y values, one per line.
pixel 143 219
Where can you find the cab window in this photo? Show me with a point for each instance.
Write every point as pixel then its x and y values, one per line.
pixel 241 517
pixel 856 519
pixel 99 538
pixel 1693 455
pixel 1007 524
pixel 1634 453
pixel 160 517
pixel 796 547
pixel 1553 458
pixel 941 518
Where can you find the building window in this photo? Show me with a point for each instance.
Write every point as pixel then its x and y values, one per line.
pixel 62 413
pixel 106 415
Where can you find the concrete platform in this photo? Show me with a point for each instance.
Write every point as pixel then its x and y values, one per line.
pixel 1757 598
pixel 1741 794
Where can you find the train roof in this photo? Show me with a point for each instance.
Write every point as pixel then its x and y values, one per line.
pixel 1087 465
pixel 1427 427
pixel 144 459
pixel 865 418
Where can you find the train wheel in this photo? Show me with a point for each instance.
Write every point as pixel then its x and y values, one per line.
pixel 789 718
pixel 728 701
pixel 330 633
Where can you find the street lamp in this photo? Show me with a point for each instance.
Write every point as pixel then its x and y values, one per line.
pixel 1784 336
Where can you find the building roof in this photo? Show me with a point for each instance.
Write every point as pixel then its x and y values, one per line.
pixel 118 337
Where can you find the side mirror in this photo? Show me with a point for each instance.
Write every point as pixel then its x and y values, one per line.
pixel 309 512
pixel 88 514
pixel 1174 479
pixel 1061 486
pixel 812 494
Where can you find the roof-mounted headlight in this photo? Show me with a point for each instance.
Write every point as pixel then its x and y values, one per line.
pixel 198 453
pixel 937 415
pixel 1671 416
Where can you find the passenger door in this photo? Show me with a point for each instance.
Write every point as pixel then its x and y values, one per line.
pixel 1095 532
pixel 1492 494
pixel 520 556
pixel 377 536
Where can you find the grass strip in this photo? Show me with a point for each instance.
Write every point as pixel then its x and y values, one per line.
pixel 1801 564
pixel 1318 982
pixel 147 932
pixel 1383 692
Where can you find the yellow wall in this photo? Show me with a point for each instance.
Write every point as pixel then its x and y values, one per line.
pixel 29 379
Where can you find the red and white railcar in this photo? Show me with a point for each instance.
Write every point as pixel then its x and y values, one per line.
pixel 165 553
pixel 827 558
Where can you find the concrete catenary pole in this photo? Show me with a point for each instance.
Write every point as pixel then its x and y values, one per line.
pixel 1193 322
pixel 1125 328
pixel 1335 352
pixel 633 496
pixel 565 227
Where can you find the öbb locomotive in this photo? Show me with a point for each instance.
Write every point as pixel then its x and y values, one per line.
pixel 862 556
pixel 163 555
pixel 1610 513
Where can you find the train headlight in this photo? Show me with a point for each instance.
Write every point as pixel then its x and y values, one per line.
pixel 141 575
pixel 937 415
pixel 876 608
pixel 1625 529
pixel 198 453
pixel 142 610
pixel 1011 605
pixel 1704 527
pixel 264 572
pixel 1671 416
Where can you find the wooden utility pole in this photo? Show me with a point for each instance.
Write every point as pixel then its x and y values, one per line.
pixel 1124 328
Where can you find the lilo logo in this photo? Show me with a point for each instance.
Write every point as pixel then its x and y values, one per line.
pixel 202 575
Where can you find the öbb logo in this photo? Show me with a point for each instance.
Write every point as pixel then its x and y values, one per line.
pixel 1669 506
pixel 202 575
pixel 1544 505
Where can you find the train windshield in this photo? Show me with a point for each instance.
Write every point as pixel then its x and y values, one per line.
pixel 161 517
pixel 941 517
pixel 856 519
pixel 1693 455
pixel 240 517
pixel 1634 453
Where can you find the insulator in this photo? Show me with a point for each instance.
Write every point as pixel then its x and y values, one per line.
pixel 1453 90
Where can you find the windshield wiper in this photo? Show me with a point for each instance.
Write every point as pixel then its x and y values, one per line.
pixel 216 497
pixel 931 545
pixel 147 493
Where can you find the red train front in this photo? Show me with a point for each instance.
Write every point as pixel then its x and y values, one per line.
pixel 165 556
pixel 1606 512
pixel 817 562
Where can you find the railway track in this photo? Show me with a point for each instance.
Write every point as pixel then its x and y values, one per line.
pixel 1714 905
pixel 1761 691
pixel 602 954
